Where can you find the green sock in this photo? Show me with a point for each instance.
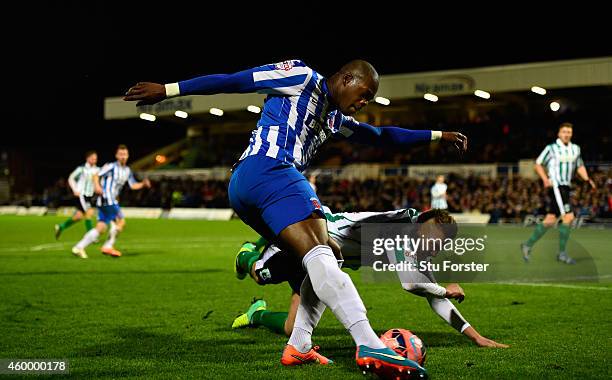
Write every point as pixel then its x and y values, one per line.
pixel 67 223
pixel 564 232
pixel 88 224
pixel 274 320
pixel 539 231
pixel 247 258
pixel 260 243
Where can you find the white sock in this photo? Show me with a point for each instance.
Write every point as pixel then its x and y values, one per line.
pixel 308 316
pixel 301 339
pixel 88 238
pixel 112 236
pixel 336 290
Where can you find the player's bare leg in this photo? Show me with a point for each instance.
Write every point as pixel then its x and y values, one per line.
pixel 61 227
pixel 564 232
pixel 88 219
pixel 89 237
pixel 326 284
pixel 540 230
pixel 109 246
pixel 293 307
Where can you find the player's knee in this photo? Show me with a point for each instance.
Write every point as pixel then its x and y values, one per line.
pixel 254 275
pixel 333 282
pixel 409 287
pixel 549 221
pixel 568 218
pixel 118 226
pixel 300 238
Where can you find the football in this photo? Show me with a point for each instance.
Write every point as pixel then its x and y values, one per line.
pixel 405 343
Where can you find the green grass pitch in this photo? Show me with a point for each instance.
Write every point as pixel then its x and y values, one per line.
pixel 163 310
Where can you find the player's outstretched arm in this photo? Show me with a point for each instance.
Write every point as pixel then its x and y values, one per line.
pixel 284 78
pixel 480 340
pixel 395 136
pixel 449 313
pixel 139 185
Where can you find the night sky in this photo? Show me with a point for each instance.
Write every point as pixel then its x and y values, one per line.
pixel 65 59
pixel 61 61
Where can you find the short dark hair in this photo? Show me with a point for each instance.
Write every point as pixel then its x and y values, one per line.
pixel 89 153
pixel 440 217
pixel 566 125
pixel 122 147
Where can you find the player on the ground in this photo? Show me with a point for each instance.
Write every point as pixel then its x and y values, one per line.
pixel 268 192
pixel 556 166
pixel 108 184
pixel 267 264
pixel 82 186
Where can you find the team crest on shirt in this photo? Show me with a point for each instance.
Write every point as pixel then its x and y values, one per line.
pixel 265 274
pixel 315 203
pixel 285 65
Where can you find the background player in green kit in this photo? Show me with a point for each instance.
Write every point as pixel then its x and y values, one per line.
pixel 556 166
pixel 82 186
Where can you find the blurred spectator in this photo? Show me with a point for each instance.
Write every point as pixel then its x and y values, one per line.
pixel 504 198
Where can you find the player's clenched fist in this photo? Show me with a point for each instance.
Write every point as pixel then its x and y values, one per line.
pixel 146 93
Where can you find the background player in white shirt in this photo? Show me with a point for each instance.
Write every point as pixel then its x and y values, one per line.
pixel 108 183
pixel 82 186
pixel 438 194
pixel 556 166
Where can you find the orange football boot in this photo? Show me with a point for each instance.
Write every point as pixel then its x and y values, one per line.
pixel 111 252
pixel 292 357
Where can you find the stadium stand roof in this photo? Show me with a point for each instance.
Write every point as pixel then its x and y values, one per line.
pixel 496 79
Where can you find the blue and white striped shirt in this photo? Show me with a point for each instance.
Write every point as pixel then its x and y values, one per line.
pixel 297 116
pixel 112 178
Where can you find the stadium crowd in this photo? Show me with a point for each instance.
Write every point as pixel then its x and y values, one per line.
pixel 507 199
pixel 499 139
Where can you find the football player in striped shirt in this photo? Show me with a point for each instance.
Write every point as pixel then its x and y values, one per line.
pixel 267 190
pixel 556 166
pixel 268 264
pixel 82 185
pixel 108 184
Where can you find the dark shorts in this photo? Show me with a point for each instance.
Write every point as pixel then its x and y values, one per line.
pixel 84 203
pixel 275 266
pixel 558 200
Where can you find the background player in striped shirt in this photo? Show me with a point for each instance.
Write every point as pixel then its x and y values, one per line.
pixel 108 184
pixel 556 166
pixel 268 192
pixel 268 264
pixel 82 186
